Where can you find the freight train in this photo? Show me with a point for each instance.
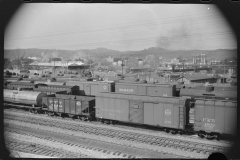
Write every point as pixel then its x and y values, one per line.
pixel 210 111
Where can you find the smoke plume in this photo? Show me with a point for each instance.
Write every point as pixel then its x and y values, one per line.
pixel 176 38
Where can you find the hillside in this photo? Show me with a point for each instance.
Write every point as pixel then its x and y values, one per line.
pixel 100 53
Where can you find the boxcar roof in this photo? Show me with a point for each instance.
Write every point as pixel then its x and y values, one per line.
pixel 71 83
pixel 138 97
pixel 146 84
pixel 58 86
pixel 48 90
pixel 22 83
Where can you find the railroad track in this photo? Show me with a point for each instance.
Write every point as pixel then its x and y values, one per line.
pixel 118 151
pixel 38 149
pixel 150 129
pixel 123 135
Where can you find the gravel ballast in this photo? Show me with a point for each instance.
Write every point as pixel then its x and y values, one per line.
pixel 152 133
pixel 112 140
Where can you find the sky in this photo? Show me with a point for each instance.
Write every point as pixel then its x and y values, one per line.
pixel 123 27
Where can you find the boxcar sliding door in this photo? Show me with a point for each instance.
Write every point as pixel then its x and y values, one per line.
pixel 136 111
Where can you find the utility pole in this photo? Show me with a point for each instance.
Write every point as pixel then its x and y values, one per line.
pixel 18 60
pixel 122 66
pixel 224 67
pixel 67 66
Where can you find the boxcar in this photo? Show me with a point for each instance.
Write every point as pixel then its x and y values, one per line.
pixel 16 85
pixel 91 87
pixel 166 112
pixel 212 117
pixel 217 92
pixel 165 90
pixel 68 89
pixel 49 83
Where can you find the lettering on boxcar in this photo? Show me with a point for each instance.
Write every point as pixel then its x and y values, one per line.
pixel 167 112
pixel 104 87
pixel 169 122
pixel 208 120
pixel 209 123
pixel 125 90
pixel 209 126
pixel 78 103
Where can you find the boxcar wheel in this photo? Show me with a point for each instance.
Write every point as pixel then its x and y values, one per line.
pixel 166 130
pixel 31 110
pixel 173 131
pixel 200 135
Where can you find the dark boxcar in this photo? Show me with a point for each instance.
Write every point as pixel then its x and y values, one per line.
pixel 71 105
pixel 91 87
pixel 50 91
pixel 68 89
pixel 215 116
pixel 165 90
pixel 16 85
pixel 168 112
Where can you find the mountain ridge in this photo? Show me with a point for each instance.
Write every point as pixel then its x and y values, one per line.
pixel 99 53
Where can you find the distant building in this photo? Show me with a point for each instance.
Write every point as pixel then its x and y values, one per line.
pixel 215 62
pixel 117 61
pixel 175 61
pixel 202 58
pixel 33 58
pixel 160 60
pixel 110 59
pixel 140 62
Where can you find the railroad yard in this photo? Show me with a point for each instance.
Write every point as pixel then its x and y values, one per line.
pixel 120 81
pixel 117 119
pixel 56 137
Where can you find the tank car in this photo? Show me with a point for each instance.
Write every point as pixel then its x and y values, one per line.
pixel 24 97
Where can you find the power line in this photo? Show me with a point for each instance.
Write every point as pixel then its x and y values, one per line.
pixel 88 37
pixel 150 38
pixel 110 28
